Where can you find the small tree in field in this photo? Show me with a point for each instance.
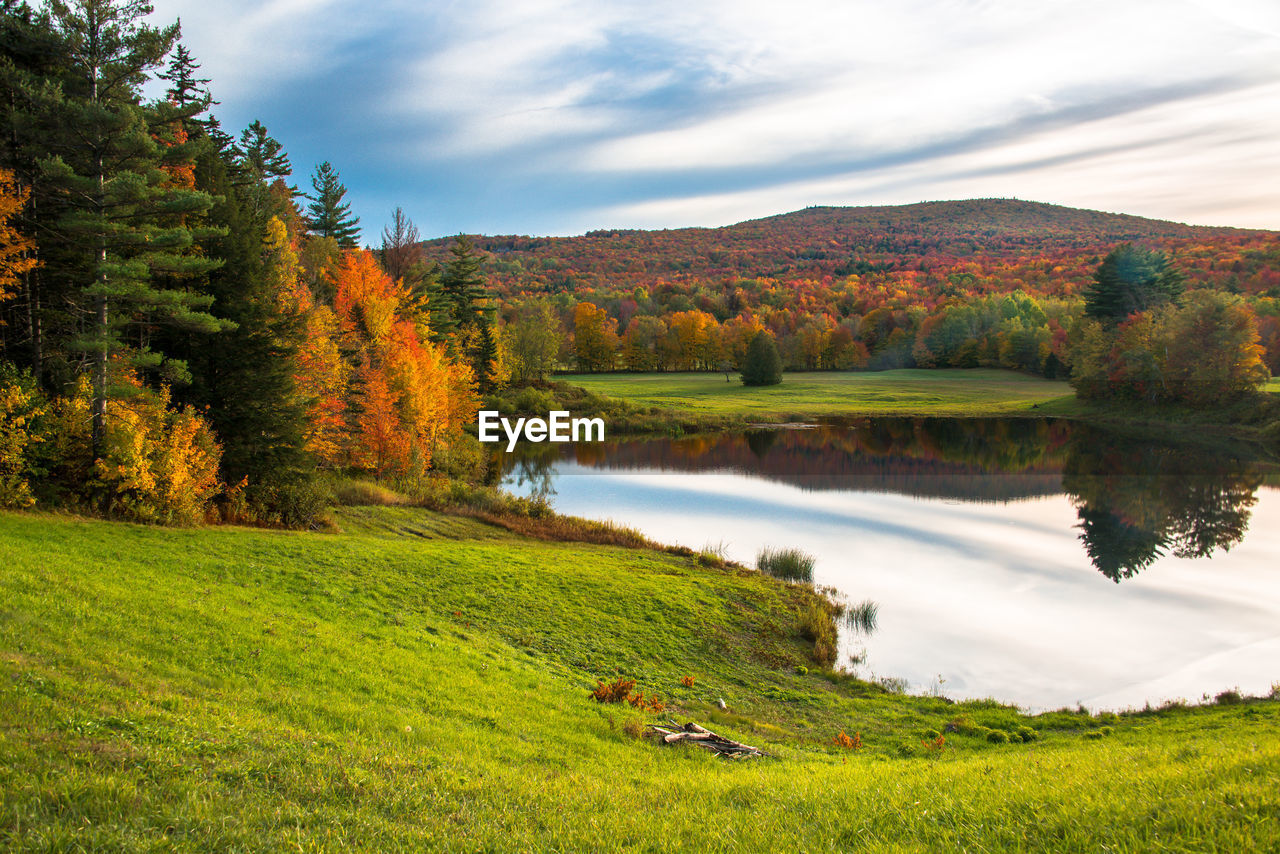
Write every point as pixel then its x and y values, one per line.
pixel 762 365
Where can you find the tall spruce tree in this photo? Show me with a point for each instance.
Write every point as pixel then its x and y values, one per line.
pixel 185 89
pixel 244 379
pixel 328 214
pixel 466 298
pixel 1130 280
pixel 121 207
pixel 258 161
pixel 33 60
pixel 261 156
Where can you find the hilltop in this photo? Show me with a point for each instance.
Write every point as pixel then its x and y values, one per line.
pixel 841 241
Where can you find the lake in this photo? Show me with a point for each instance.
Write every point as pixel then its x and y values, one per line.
pixel 1033 561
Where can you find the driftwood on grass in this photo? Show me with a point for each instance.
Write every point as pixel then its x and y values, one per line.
pixel 704 738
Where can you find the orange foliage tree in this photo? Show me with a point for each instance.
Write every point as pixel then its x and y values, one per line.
pixel 17 251
pixel 408 399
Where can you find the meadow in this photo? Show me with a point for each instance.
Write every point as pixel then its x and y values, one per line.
pixel 908 391
pixel 411 680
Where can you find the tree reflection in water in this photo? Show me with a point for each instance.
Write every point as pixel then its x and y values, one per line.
pixel 1138 502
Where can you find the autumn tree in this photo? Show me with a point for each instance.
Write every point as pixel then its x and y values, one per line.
pixel 533 340
pixel 1212 350
pixel 17 250
pixel 594 341
pixel 327 214
pixel 427 398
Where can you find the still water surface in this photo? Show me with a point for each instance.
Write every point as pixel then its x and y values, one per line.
pixel 1031 561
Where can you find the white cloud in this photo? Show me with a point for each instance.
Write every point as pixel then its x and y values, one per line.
pixel 555 90
pixel 247 46
pixel 1222 171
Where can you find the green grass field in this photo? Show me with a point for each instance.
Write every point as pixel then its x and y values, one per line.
pixel 958 393
pixel 420 682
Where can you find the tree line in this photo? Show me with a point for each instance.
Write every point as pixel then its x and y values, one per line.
pixel 1134 332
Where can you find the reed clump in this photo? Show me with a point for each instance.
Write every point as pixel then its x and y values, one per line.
pixel 786 564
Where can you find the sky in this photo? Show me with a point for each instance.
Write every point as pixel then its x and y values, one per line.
pixel 554 117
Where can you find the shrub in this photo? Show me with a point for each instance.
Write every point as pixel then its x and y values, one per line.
pixel 617 691
pixel 1230 697
pixel 650 704
pixel 998 736
pixel 843 740
pixel 21 406
pixel 817 625
pixel 786 564
pixel 157 464
pixel 362 493
pixel 762 365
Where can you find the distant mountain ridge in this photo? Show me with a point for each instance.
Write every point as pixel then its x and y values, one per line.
pixel 834 241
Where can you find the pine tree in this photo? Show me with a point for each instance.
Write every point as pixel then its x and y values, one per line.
pixel 120 204
pixel 185 89
pixel 463 285
pixel 244 378
pixel 329 215
pixel 260 156
pixel 486 355
pixel 1131 280
pixel 33 60
pixel 467 300
pixel 762 365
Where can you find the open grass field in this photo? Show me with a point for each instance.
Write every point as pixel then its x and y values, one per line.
pixel 957 393
pixel 420 682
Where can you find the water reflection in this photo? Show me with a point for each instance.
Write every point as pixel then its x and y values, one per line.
pixel 1136 501
pixel 990 546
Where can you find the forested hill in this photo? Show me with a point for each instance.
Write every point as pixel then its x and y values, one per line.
pixel 929 237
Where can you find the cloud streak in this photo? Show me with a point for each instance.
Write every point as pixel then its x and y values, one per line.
pixel 554 116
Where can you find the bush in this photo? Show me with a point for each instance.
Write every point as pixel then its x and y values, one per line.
pixel 787 564
pixel 1230 697
pixel 762 365
pixel 157 464
pixel 816 623
pixel 21 406
pixel 617 691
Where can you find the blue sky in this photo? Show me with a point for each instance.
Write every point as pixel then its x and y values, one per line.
pixel 559 116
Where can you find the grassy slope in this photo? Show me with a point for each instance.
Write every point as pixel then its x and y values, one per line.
pixel 421 680
pixel 901 392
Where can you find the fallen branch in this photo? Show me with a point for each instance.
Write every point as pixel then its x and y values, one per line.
pixel 704 738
